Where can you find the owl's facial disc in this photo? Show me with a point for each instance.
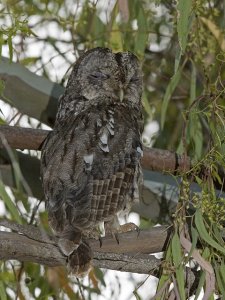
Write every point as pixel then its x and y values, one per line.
pixel 98 74
pixel 102 74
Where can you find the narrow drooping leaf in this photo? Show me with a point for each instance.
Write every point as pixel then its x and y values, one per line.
pixel 10 46
pixel 177 60
pixel 204 233
pixel 200 285
pixel 142 34
pixel 218 34
pixel 193 83
pixel 165 278
pixel 169 91
pixel 3 295
pixel 146 105
pixel 9 204
pixel 177 259
pixel 115 35
pixel 1 43
pixel 222 272
pixel 183 16
pixel 194 236
pixel 219 279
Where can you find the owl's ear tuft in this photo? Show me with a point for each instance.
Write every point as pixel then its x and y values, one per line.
pixel 99 51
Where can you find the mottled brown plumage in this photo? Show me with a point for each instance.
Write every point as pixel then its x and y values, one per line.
pixel 90 161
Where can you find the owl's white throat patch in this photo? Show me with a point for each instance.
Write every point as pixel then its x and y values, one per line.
pixel 88 159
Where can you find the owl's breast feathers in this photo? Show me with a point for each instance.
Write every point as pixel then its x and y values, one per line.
pixel 90 165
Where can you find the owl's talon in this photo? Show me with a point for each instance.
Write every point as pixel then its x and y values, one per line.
pixel 117 237
pixel 100 241
pixel 114 229
pixel 138 231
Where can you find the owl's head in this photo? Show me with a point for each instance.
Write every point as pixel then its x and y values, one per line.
pixel 100 73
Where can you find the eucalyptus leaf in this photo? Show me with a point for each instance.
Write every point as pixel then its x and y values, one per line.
pixel 9 204
pixel 183 12
pixel 169 91
pixel 204 233
pixel 179 269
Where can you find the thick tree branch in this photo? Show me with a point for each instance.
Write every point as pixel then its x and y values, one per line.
pixel 154 159
pixel 31 94
pixel 28 243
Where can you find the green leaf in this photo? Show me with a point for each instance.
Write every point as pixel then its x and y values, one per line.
pixel 217 233
pixel 222 272
pixel 1 43
pixel 115 35
pixel 183 15
pixel 2 88
pixel 200 285
pixel 198 180
pixel 193 83
pixel 177 60
pixel 9 203
pixel 169 91
pixel 177 259
pixel 165 276
pixel 98 32
pixel 176 250
pixel 19 179
pixel 194 237
pixel 219 279
pixel 204 234
pixel 116 38
pixel 194 134
pixel 9 41
pixel 3 295
pixel 146 105
pixel 100 276
pixel 142 35
pixel 29 60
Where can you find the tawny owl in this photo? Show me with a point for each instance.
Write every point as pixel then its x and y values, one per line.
pixel 90 162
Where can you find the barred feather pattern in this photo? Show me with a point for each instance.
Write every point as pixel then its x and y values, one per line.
pixel 90 162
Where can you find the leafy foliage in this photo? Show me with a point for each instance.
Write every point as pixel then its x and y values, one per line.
pixel 181 46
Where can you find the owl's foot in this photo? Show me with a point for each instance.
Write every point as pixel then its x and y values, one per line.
pixel 69 241
pixel 114 228
pixel 129 227
pixel 79 262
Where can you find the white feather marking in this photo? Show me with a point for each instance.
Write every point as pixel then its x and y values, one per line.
pixel 104 148
pixel 110 129
pixel 111 120
pixel 88 159
pixel 104 138
pixel 139 150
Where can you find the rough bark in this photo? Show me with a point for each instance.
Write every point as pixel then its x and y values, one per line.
pixel 132 254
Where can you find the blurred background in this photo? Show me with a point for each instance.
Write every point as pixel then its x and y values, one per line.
pixel 180 45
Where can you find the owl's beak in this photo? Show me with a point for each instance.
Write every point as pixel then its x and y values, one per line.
pixel 121 94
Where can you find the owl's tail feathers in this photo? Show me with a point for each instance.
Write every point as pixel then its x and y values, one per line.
pixel 78 251
pixel 79 262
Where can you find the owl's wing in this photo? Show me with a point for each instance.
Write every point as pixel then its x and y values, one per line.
pixel 91 166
